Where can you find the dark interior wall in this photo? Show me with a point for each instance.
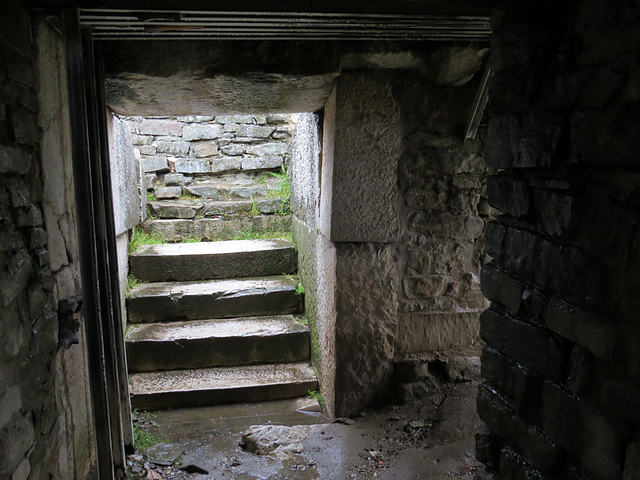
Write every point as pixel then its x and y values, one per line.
pixel 45 416
pixel 561 363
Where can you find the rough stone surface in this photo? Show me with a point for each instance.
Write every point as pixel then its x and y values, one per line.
pixel 366 150
pixel 277 440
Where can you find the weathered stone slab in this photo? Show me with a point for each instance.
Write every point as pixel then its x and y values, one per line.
pixel 261 163
pixel 204 191
pixel 148 150
pixel 211 386
pixel 178 148
pixel 204 149
pixel 158 127
pixel 172 179
pixel 254 131
pixel 233 149
pixel 267 149
pixel 226 164
pixel 208 260
pixel 272 205
pixel 225 119
pixel 155 164
pixel 216 343
pixel 174 209
pixel 191 166
pixel 195 119
pixel 213 299
pixel 227 207
pixel 168 192
pixel 424 332
pixel 216 228
pixel 201 132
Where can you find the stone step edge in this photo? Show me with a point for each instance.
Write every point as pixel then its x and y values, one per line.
pixel 160 400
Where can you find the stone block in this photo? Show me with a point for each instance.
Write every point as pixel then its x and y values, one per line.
pixel 261 163
pixel 427 332
pixel 510 195
pixel 620 397
pixel 254 131
pixel 18 192
pixel 582 431
pixel 158 127
pixel 441 257
pixel 267 149
pixel 366 312
pixel 25 126
pixel 16 438
pixel 176 179
pixel 527 344
pixel 226 164
pixel 30 217
pixel 233 149
pixel 488 446
pixel 499 287
pixel 38 238
pixel 183 165
pixel 555 211
pixel 18 67
pixel 632 461
pixel 514 466
pixel 178 148
pixel 155 164
pixel 366 139
pixel 201 132
pixel 272 205
pixel 522 388
pixel 530 440
pixel 204 191
pixel 168 192
pixel 523 140
pixel 195 119
pixel 447 226
pixel 494 235
pixel 225 119
pixel 141 139
pixel 14 160
pixel 582 327
pixel 148 150
pixel 204 149
pixel 174 210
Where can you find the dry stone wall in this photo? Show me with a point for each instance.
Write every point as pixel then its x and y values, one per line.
pixel 179 153
pixel 45 421
pixel 561 364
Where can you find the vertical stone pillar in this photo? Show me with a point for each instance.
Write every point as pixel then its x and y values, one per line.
pixel 358 215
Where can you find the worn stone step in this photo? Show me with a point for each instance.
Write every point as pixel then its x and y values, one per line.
pixel 222 228
pixel 159 301
pixel 210 260
pixel 215 343
pixel 209 208
pixel 220 385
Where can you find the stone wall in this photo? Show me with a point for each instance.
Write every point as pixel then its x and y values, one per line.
pixel 175 150
pixel 45 422
pixel 561 364
pixel 388 223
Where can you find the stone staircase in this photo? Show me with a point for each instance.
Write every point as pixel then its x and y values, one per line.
pixel 215 323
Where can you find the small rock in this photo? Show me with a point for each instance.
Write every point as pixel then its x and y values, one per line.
pixel 346 421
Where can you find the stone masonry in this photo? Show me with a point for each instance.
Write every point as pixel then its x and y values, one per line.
pixel 178 154
pixel 561 363
pixel 45 416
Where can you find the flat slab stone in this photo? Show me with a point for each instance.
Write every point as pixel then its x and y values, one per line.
pixel 212 299
pixel 218 385
pixel 212 343
pixel 209 260
pixel 174 208
pixel 228 207
pixel 223 228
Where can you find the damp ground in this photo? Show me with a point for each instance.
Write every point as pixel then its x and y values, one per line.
pixel 432 438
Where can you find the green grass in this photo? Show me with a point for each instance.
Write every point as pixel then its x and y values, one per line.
pixel 300 288
pixel 317 396
pixel 143 440
pixel 140 237
pixel 189 196
pixel 151 197
pixel 284 188
pixel 132 282
pixel 264 235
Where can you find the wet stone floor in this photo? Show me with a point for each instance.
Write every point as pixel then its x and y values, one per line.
pixel 430 439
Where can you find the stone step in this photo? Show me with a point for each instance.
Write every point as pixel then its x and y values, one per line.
pixel 183 208
pixel 220 385
pixel 230 298
pixel 222 228
pixel 216 343
pixel 210 260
